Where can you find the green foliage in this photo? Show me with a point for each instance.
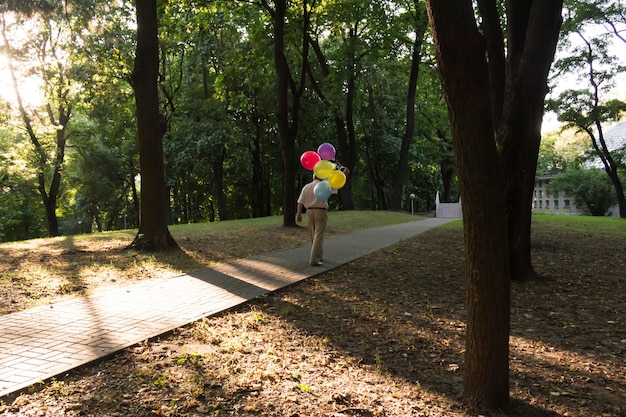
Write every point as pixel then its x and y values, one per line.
pixel 587 55
pixel 216 123
pixel 21 212
pixel 549 158
pixel 218 101
pixel 591 189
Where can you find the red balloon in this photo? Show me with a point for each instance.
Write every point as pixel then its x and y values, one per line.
pixel 309 159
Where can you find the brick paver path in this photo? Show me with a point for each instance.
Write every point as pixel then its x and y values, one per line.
pixel 46 341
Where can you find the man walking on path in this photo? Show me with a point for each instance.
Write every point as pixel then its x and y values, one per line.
pixel 317 217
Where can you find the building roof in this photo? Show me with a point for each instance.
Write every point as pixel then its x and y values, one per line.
pixel 615 139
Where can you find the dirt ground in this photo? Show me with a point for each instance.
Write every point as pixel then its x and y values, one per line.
pixel 382 336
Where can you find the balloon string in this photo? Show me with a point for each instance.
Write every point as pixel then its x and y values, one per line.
pixel 338 163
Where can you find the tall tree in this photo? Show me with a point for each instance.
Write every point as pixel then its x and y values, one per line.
pixel 289 95
pixel 420 21
pixel 106 147
pixel 518 70
pixel 49 38
pixel 153 233
pixel 587 109
pixel 358 37
pixel 496 99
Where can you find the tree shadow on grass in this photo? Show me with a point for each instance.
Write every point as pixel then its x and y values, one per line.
pixel 404 315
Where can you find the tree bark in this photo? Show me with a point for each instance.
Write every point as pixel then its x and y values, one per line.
pixel 533 32
pixel 153 233
pixel 447 167
pixel 460 54
pixel 402 171
pixel 288 120
pixel 484 97
pixel 260 184
pixel 284 132
pixel 55 184
pixel 218 178
pixel 610 167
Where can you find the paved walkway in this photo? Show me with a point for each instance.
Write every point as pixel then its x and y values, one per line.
pixel 46 341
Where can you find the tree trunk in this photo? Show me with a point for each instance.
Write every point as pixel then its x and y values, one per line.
pixel 461 59
pixel 218 180
pixel 610 167
pixel 532 37
pixel 341 127
pixel 284 132
pixel 447 168
pixel 409 131
pixel 347 142
pixel 153 232
pixel 621 199
pixel 50 196
pixel 260 194
pixel 288 120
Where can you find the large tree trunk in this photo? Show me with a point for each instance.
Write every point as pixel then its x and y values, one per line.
pixel 347 143
pixel 153 232
pixel 287 140
pixel 288 116
pixel 461 59
pixel 409 130
pixel 55 184
pixel 533 32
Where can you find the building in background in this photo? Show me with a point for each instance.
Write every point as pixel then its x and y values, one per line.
pixel 560 203
pixel 556 203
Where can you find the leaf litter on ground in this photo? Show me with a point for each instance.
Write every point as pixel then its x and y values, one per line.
pixel 381 336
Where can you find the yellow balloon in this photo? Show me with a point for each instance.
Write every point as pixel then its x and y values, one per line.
pixel 337 179
pixel 323 169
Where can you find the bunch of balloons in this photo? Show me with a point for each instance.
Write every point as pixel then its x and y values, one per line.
pixel 326 168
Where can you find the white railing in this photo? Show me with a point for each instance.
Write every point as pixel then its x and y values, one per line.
pixel 448 210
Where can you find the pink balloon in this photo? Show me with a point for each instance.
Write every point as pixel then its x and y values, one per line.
pixel 309 159
pixel 326 151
